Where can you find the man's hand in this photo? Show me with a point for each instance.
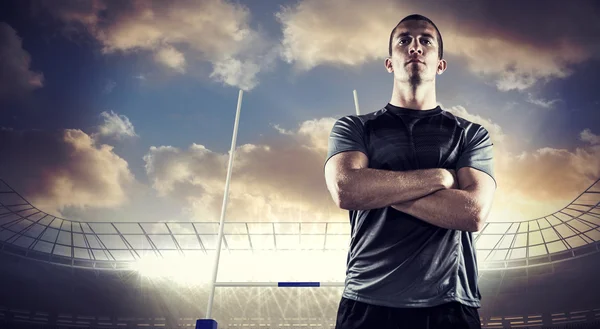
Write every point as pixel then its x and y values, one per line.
pixel 355 186
pixel 464 206
pixel 450 179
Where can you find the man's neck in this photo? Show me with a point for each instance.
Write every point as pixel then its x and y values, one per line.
pixel 421 97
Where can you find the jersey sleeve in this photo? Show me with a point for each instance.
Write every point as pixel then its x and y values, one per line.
pixel 346 135
pixel 478 151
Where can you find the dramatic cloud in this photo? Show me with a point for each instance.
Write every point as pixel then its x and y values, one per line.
pixel 55 170
pixel 176 33
pixel 282 179
pixel 534 184
pixel 277 181
pixel 115 126
pixel 16 77
pixel 491 37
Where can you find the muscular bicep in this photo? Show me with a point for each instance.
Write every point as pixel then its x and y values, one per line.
pixel 338 167
pixel 481 188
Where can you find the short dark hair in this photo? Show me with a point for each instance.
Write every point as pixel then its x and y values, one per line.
pixel 417 17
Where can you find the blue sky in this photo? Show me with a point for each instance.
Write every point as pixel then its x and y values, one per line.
pixel 151 69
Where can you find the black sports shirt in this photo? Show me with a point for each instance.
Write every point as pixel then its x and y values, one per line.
pixel 395 259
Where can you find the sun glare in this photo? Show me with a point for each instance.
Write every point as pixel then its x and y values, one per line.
pixel 243 266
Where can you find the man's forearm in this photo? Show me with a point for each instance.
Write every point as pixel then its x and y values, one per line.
pixel 449 208
pixel 372 188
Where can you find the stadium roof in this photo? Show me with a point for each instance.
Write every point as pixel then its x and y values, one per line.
pixel 27 231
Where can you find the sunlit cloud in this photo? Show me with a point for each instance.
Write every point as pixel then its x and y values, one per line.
pixel 115 126
pixel 283 180
pixel 64 168
pixel 514 56
pixel 177 34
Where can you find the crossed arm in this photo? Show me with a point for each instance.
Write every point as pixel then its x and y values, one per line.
pixel 441 197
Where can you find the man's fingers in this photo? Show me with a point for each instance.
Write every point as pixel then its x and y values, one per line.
pixel 455 178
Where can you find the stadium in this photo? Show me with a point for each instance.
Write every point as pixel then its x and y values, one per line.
pixel 58 273
pixel 114 131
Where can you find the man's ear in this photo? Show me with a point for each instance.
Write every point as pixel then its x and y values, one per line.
pixel 388 65
pixel 442 66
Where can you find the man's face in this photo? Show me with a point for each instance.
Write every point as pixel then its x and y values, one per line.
pixel 415 52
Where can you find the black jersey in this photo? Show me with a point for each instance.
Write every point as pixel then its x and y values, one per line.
pixel 396 259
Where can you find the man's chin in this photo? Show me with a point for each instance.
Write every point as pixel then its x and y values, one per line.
pixel 415 75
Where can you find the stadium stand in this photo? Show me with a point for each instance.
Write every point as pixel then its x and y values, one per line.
pixel 57 273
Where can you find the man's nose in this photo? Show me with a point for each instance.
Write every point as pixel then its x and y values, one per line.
pixel 415 48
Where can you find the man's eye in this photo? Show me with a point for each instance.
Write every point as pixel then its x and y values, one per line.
pixel 427 42
pixel 402 41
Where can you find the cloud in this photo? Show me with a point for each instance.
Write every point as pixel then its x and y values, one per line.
pixel 16 76
pixel 278 180
pixel 176 34
pixel 172 58
pixel 282 179
pixel 320 33
pixel 546 180
pixel 60 169
pixel 492 38
pixel 234 72
pixel 587 136
pixel 115 126
pixel 537 183
pixel 542 102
